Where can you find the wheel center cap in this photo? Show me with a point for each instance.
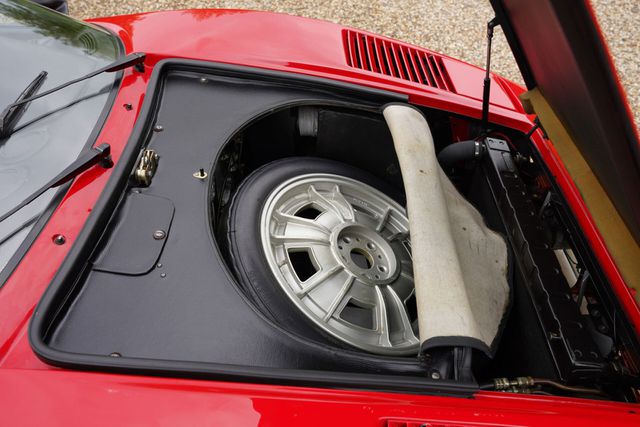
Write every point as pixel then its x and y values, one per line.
pixel 365 253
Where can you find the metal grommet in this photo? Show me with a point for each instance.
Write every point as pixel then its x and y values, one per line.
pixel 200 174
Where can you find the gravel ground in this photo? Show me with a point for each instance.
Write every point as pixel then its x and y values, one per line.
pixel 453 27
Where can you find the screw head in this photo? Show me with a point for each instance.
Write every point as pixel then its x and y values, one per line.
pixel 59 239
pixel 159 234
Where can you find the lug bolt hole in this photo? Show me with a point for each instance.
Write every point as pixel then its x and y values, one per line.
pixel 346 239
pixel 382 268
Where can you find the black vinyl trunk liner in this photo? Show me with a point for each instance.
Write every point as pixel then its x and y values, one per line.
pixel 175 310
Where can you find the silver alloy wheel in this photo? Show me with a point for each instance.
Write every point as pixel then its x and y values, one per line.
pixel 340 250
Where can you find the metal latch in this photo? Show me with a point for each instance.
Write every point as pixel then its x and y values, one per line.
pixel 146 167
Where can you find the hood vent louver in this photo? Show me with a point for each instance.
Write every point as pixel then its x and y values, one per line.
pixel 393 59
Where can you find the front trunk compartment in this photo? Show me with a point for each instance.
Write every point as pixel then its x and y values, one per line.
pixel 148 288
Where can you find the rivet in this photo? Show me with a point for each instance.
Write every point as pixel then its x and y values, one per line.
pixel 158 128
pixel 128 106
pixel 159 234
pixel 203 80
pixel 163 275
pixel 59 239
pixel 435 375
pixel 115 354
pixel 159 265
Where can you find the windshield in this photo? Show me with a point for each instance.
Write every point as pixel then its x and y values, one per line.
pixel 35 39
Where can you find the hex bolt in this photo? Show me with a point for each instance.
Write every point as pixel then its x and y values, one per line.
pixel 59 239
pixel 159 234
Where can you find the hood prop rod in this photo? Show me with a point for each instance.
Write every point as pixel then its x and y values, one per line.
pixel 486 89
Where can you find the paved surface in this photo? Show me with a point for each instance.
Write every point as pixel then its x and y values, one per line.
pixel 453 27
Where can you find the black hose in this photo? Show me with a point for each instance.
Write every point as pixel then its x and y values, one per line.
pixel 459 152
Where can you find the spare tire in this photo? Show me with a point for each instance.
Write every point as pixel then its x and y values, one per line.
pixel 323 250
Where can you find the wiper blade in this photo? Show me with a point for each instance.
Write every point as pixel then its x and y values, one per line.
pixel 117 65
pixel 13 112
pixel 100 154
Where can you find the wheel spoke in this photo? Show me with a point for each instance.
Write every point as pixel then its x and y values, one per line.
pixel 318 279
pixel 382 319
pixel 345 207
pixel 299 232
pixel 299 241
pixel 336 204
pixel 396 305
pixel 339 297
pixel 303 223
pixel 383 220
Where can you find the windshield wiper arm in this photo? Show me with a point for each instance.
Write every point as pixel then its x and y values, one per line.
pixel 6 122
pixel 100 154
pixel 13 112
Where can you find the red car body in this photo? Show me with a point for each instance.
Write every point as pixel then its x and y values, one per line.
pixel 34 393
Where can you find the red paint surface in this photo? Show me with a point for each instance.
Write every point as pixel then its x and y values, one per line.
pixel 33 393
pixel 77 398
